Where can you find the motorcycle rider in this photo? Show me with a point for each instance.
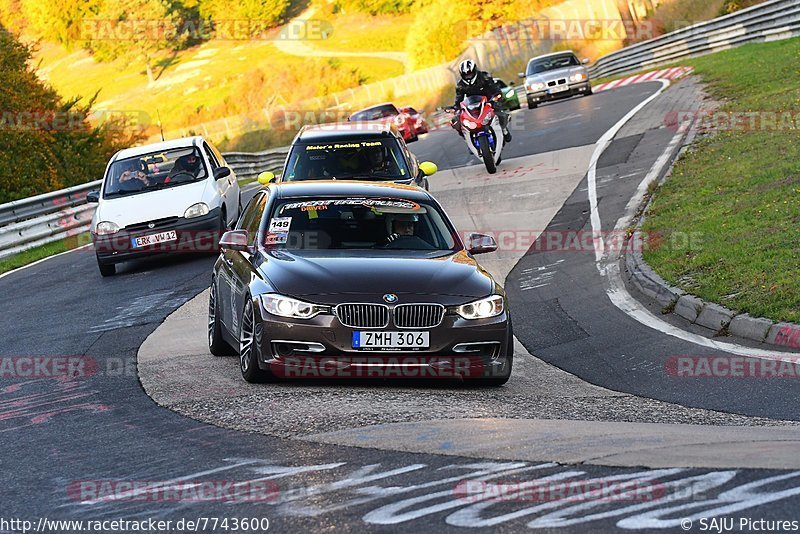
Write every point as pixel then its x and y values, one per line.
pixel 476 82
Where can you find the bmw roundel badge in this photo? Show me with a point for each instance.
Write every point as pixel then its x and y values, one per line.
pixel 391 298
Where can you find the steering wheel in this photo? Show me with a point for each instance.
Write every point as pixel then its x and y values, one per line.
pixel 189 174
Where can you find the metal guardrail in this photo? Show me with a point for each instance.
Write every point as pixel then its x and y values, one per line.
pixel 770 21
pixel 43 219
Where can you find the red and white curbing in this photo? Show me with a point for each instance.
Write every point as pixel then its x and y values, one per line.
pixel 663 74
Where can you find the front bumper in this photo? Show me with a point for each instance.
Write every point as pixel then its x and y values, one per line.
pixel 322 348
pixel 579 88
pixel 197 235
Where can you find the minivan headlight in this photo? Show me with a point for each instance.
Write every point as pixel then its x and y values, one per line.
pixel 482 309
pixel 283 306
pixel 196 210
pixel 106 228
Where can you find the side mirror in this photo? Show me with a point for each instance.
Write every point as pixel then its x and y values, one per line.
pixel 266 177
pixel 511 84
pixel 521 74
pixel 235 240
pixel 481 244
pixel 93 197
pixel 585 61
pixel 428 168
pixel 221 172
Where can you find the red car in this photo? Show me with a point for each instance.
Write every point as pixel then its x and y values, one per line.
pixel 388 113
pixel 420 126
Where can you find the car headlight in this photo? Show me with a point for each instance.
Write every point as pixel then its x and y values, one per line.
pixel 482 309
pixel 510 93
pixel 196 210
pixel 535 86
pixel 577 77
pixel 288 307
pixel 106 228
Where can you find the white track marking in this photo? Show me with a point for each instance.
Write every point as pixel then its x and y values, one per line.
pixel 609 269
pixel 37 262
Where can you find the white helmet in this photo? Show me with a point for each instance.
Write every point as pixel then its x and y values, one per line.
pixel 469 71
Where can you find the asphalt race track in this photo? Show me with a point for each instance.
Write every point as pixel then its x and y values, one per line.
pixel 65 437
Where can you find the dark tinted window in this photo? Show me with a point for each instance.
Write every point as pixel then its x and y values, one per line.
pixel 358 223
pixel 377 159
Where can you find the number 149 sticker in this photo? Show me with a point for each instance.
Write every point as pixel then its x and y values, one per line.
pixel 279 224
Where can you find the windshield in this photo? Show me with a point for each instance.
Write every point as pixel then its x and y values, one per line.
pixel 157 170
pixel 358 223
pixel 553 63
pixel 379 160
pixel 376 113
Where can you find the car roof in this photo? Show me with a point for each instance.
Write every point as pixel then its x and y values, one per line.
pixel 183 142
pixel 374 106
pixel 543 56
pixel 348 188
pixel 344 131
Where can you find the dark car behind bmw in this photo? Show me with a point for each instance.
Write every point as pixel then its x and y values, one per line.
pixel 346 276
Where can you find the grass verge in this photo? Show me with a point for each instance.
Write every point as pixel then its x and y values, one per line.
pixel 35 254
pixel 728 215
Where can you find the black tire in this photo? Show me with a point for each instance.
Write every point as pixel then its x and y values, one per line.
pixel 532 104
pixel 588 91
pixel 106 269
pixel 248 347
pixel 486 153
pixel 216 343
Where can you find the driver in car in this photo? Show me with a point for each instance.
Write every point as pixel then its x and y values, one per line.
pixel 188 164
pixel 403 234
pixel 378 162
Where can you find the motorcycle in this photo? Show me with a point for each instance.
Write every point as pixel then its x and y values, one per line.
pixel 482 131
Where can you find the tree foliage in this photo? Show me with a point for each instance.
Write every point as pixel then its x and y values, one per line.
pixel 60 150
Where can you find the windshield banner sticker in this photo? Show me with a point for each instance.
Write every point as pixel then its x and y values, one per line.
pixel 366 202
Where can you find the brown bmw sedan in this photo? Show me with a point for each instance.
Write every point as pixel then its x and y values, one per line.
pixel 337 279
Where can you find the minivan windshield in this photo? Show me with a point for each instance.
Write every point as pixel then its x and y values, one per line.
pixel 153 171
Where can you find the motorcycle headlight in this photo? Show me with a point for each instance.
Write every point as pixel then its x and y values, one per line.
pixel 196 210
pixel 486 120
pixel 577 77
pixel 288 307
pixel 106 228
pixel 470 124
pixel 482 309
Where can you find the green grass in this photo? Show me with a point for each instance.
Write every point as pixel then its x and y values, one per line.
pixel 363 33
pixel 35 254
pixel 738 192
pixel 205 82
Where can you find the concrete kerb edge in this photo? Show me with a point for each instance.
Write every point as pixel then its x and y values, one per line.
pixel 674 300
